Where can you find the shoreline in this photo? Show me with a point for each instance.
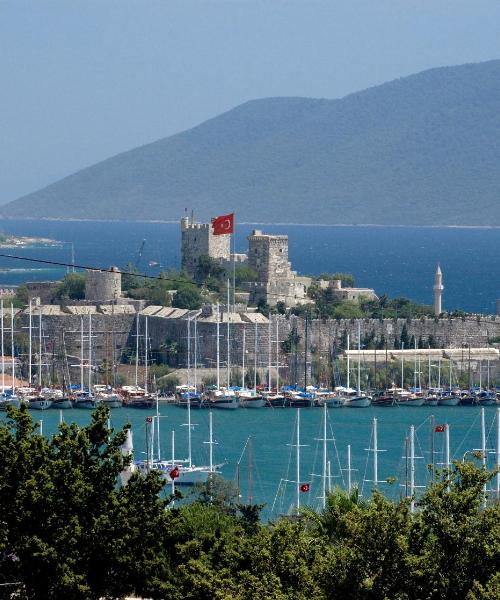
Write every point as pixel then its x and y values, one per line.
pixel 246 223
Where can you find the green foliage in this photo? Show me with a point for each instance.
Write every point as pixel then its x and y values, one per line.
pixel 68 531
pixel 72 287
pixel 188 297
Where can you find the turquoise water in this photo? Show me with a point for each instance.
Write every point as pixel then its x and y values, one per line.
pixel 394 260
pixel 273 429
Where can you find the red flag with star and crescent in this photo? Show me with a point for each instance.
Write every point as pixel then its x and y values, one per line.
pixel 223 224
pixel 305 487
pixel 440 428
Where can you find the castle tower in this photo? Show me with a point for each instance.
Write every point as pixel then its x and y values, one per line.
pixel 197 239
pixel 438 291
pixel 103 286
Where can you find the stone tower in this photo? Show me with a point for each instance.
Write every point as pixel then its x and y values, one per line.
pixel 198 240
pixel 103 286
pixel 438 291
pixel 276 282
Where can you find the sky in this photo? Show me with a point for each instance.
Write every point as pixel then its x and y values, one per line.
pixel 82 80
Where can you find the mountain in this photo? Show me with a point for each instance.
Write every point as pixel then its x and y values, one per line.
pixel 423 149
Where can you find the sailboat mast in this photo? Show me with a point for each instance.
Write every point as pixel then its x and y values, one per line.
pixel 483 450
pixel 218 346
pixel 3 347
pixel 375 452
pixel 269 350
pixel 349 470
pixel 228 334
pixel 157 427
pixel 306 342
pixel 90 353
pixel 81 353
pixel 12 347
pixel 277 357
pixel 348 364
pixel 325 457
pixel 298 460
pixel 402 366
pixel 211 443
pixel 359 359
pixel 173 465
pixel 412 468
pixel 30 343
pixel 195 355
pixel 40 347
pixel 243 360
pixel 498 453
pixel 189 427
pixel 255 358
pixel 189 352
pixel 137 351
pixel 415 368
pixel 146 354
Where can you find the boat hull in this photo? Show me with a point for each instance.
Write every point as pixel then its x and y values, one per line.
pixel 451 401
pixel 87 404
pixel 225 403
pixel 431 402
pixel 40 404
pixel 335 402
pixel 252 402
pixel 412 402
pixel 358 402
pixel 62 403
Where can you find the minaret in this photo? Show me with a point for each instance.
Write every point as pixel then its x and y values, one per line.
pixel 438 291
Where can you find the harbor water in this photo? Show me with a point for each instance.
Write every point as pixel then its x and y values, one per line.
pixel 273 435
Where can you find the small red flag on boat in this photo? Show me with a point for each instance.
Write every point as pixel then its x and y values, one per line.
pixel 175 472
pixel 440 428
pixel 223 224
pixel 149 419
pixel 304 487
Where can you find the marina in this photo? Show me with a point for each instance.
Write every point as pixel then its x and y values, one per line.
pixel 272 430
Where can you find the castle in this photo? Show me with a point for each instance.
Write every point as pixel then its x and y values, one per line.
pixel 267 257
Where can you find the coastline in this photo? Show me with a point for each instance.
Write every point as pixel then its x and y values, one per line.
pixel 260 223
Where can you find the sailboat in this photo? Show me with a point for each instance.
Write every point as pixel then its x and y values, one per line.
pixel 249 398
pixel 38 401
pixel 224 397
pixel 448 398
pixel 415 397
pixel 358 399
pixel 84 398
pixel 8 397
pixel 181 472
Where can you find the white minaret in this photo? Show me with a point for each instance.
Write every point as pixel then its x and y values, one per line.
pixel 438 291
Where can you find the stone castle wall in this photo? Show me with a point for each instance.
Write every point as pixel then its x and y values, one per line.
pixel 62 332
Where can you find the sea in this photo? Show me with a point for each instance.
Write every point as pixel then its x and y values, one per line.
pixel 397 261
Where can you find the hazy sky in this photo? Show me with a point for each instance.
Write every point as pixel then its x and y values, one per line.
pixel 83 80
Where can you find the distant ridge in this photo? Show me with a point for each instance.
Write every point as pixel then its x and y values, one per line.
pixel 421 150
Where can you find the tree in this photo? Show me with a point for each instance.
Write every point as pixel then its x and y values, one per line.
pixel 66 530
pixel 71 287
pixel 187 297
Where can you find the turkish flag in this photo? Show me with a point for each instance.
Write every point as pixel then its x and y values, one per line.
pixel 175 472
pixel 440 428
pixel 304 487
pixel 223 224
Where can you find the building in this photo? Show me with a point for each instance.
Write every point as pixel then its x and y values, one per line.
pixel 276 282
pixel 197 239
pixel 348 293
